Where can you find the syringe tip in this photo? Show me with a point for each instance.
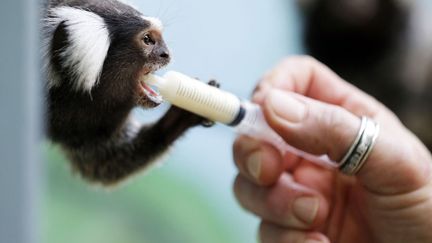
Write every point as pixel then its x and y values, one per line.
pixel 153 79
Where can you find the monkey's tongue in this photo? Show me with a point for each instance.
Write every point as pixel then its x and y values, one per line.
pixel 151 93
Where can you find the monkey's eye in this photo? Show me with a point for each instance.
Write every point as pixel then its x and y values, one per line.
pixel 148 40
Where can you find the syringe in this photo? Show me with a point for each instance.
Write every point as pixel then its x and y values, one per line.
pixel 221 106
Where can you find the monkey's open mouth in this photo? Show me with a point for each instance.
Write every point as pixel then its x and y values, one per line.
pixel 149 96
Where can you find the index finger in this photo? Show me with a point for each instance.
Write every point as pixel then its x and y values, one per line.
pixel 395 145
pixel 306 76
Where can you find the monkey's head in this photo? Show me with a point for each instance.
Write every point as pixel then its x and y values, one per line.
pixel 104 50
pixel 137 45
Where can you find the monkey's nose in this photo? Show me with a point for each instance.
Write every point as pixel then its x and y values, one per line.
pixel 162 54
pixel 165 55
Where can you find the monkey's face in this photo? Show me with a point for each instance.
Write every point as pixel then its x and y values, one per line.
pixel 154 55
pixel 105 53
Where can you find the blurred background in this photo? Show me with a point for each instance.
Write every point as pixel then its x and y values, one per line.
pixel 382 46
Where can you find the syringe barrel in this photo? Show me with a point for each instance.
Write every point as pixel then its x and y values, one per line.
pixel 255 125
pixel 200 98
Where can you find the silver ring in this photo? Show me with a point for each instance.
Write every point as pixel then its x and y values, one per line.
pixel 361 148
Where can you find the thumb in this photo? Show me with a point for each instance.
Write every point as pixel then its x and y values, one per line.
pixel 320 128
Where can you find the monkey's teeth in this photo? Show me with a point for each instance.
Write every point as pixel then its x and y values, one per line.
pixel 152 93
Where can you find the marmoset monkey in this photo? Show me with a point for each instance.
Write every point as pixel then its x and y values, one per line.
pixel 96 53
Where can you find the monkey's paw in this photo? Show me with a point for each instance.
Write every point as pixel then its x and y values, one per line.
pixel 185 119
pixel 206 122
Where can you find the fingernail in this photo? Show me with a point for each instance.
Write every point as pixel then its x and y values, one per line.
pixel 254 165
pixel 306 209
pixel 312 241
pixel 286 106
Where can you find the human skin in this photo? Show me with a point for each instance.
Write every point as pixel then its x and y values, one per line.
pixel 389 200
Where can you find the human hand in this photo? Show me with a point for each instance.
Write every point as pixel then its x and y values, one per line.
pixel 389 200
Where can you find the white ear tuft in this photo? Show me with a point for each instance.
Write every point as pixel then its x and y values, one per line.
pixel 88 44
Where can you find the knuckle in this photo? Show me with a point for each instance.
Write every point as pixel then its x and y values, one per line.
pixel 333 117
pixel 238 145
pixel 303 59
pixel 245 194
pixel 258 87
pixel 336 129
pixel 291 237
pixel 288 61
pixel 307 60
pixel 262 87
pixel 239 190
pixel 244 145
pixel 266 233
pixel 269 232
pixel 276 206
pixel 272 205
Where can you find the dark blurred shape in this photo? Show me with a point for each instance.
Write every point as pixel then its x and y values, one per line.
pixel 343 33
pixel 367 42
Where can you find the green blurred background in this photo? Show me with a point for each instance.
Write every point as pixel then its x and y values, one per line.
pixel 189 197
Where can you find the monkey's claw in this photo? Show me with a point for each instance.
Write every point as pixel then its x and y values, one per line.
pixel 214 83
pixel 207 123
